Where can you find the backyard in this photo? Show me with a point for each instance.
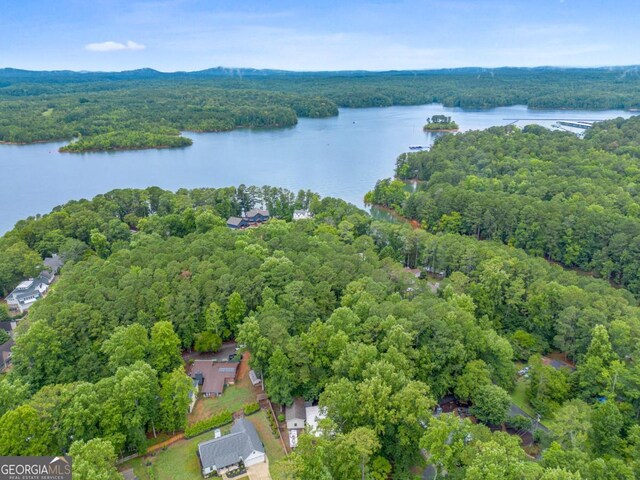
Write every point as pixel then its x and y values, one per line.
pixel 233 398
pixel 179 461
pixel 272 445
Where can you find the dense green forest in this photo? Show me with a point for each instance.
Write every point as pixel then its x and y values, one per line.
pixel 45 106
pixel 574 201
pixel 328 312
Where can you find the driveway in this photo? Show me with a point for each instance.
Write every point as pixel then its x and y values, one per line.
pixel 259 471
pixel 515 410
pixel 222 355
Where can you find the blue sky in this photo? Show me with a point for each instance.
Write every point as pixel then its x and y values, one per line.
pixel 172 35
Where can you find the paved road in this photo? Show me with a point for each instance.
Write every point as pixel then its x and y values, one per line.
pixel 221 355
pixel 515 410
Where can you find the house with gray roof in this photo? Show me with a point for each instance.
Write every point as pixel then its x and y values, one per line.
pixel 5 355
pixel 241 446
pixel 28 291
pixel 296 414
pixel 8 327
pixel 237 222
pixel 257 215
pixel 53 263
pixel 252 218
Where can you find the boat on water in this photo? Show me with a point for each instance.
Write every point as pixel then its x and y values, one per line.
pixel 416 147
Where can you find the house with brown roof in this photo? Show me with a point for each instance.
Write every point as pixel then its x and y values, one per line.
pixel 214 376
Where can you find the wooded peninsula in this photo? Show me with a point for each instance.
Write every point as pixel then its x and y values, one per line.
pixel 146 109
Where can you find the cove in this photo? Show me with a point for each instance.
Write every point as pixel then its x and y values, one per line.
pixel 339 156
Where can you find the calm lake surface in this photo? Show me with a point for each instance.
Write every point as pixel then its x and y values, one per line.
pixel 341 156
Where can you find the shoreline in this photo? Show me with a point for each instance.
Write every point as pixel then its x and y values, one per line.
pixel 123 149
pixel 441 130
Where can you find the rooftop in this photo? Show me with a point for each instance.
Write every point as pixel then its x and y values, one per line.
pixel 314 415
pixel 296 410
pixel 53 263
pixel 257 211
pixel 215 374
pixel 229 449
pixel 254 378
pixel 234 220
pixel 25 284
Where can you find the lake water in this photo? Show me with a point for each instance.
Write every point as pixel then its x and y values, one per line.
pixel 341 156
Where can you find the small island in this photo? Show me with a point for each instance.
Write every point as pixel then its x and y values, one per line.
pixel 440 123
pixel 131 140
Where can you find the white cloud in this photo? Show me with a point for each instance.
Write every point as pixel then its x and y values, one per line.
pixel 114 46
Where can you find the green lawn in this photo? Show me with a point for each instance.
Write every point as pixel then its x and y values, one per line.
pixel 519 397
pixel 272 445
pixel 178 462
pixel 233 399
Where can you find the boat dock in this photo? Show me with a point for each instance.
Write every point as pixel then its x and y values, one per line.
pixel 567 122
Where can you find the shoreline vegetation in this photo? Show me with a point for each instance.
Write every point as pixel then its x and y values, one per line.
pixel 440 123
pixel 118 141
pixel 504 184
pixel 52 106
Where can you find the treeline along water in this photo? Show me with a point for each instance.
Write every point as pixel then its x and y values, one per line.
pixel 339 156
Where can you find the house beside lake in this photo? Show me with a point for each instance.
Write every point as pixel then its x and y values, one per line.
pixel 237 222
pixel 30 290
pixel 302 215
pixel 256 215
pixel 27 292
pixel 241 447
pixel 252 218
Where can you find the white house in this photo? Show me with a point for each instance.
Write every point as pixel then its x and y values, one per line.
pixel 28 291
pixel 314 415
pixel 302 215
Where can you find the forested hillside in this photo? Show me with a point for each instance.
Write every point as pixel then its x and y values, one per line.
pixel 328 312
pixel 574 201
pixel 139 105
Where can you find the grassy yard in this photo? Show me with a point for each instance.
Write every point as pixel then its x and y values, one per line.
pixel 519 397
pixel 272 445
pixel 233 399
pixel 178 462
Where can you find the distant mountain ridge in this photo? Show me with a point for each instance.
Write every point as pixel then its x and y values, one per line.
pixel 16 73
